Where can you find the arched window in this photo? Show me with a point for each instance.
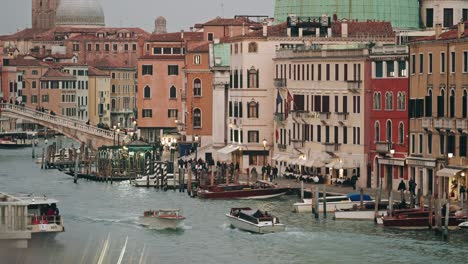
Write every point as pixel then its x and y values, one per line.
pixel 253 109
pixel 377 101
pixel 113 88
pixel 197 118
pixel 401 101
pixel 389 101
pixel 113 104
pixel 452 103
pixel 173 92
pixel 428 102
pixel 252 80
pixel 389 131
pixel 197 87
pixel 441 104
pixel 377 131
pixel 253 47
pixel 147 92
pixel 465 104
pixel 401 134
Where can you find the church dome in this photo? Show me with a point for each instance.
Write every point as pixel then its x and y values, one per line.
pixel 79 13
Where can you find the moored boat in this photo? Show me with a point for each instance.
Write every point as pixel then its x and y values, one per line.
pixel 255 221
pixel 17 140
pixel 463 225
pixel 162 219
pixel 419 219
pixel 257 190
pixel 366 213
pixel 334 203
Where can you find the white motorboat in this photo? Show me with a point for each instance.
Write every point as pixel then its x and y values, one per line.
pixel 162 219
pixel 463 225
pixel 366 213
pixel 43 215
pixel 143 181
pixel 254 221
pixel 334 203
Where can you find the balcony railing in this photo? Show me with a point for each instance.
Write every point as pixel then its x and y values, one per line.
pixel 354 86
pixel 462 125
pixel 444 123
pixel 282 147
pixel 280 117
pixel 280 83
pixel 324 117
pixel 331 147
pixel 383 147
pixel 427 123
pixel 342 116
pixel 298 143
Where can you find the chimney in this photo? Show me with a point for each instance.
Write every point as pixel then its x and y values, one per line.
pixel 243 29
pixel 344 28
pixel 265 30
pixel 301 32
pixel 461 29
pixel 231 32
pixel 182 34
pixel 438 31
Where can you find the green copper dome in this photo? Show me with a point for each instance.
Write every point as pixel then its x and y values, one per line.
pixel 401 13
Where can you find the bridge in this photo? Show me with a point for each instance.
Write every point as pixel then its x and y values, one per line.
pixel 75 129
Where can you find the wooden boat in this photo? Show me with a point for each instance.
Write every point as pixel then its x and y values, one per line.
pixel 43 215
pixel 366 213
pixel 258 190
pixel 418 219
pixel 162 219
pixel 463 225
pixel 334 203
pixel 255 221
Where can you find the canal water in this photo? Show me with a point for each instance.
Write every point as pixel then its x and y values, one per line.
pixel 99 214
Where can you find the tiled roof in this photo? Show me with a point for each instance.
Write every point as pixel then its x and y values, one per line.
pixel 176 37
pixel 279 30
pixel 96 72
pixel 198 47
pixel 365 28
pixel 110 63
pixel 27 63
pixel 162 57
pixel 55 74
pixel 230 22
pixel 450 34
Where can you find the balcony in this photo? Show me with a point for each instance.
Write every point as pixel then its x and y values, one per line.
pixel 298 143
pixel 324 117
pixel 354 86
pixel 427 123
pixel 444 123
pixel 280 117
pixel 331 147
pixel 116 111
pixel 383 147
pixel 462 125
pixel 280 83
pixel 342 116
pixel 282 147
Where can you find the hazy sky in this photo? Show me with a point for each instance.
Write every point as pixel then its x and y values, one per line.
pixel 180 14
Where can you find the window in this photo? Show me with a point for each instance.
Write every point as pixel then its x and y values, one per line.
pixel 453 60
pixel 389 101
pixel 401 104
pixel 114 47
pixel 76 47
pixel 173 69
pixel 463 144
pixel 113 88
pixel 452 103
pixel 33 84
pixel 134 47
pixel 413 64
pixel 442 62
pixel 197 118
pixel 45 98
pixel 377 132
pixel 210 36
pixel 147 92
pixel 390 68
pixel 442 144
pixel 172 92
pixel 147 113
pixel 172 113
pixel 448 17
pixel 197 87
pixel 464 14
pixel 146 70
pixel 401 134
pixel 429 143
pixel 126 47
pixel 402 69
pixel 34 99
pixel 34 72
pixel 337 72
pixel 252 78
pixel 441 104
pixel 465 104
pixel 429 17
pixel 252 136
pixel 429 64
pixel 253 47
pixel 413 143
pixel 107 47
pixel 377 101
pixel 465 61
pixel 421 63
pixel 89 47
pixel 253 110
pixel 389 131
pixel 197 59
pixel 98 47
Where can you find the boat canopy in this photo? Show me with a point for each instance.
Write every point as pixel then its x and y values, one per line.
pixel 356 197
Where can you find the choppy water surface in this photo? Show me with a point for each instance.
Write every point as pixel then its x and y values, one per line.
pixel 98 214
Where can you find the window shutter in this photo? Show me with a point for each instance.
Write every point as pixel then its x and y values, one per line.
pixel 248 79
pixel 452 106
pixel 240 109
pixel 230 109
pixel 428 106
pixel 256 110
pixel 440 106
pixel 411 108
pixel 258 79
pixel 464 105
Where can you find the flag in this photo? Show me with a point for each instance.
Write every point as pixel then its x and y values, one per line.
pixel 279 100
pixel 288 104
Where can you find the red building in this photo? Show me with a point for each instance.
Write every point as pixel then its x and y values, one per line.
pixel 388 116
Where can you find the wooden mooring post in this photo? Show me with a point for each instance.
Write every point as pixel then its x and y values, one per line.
pixel 324 198
pixel 302 190
pixel 317 208
pixel 431 210
pixel 189 180
pixel 447 217
pixel 361 198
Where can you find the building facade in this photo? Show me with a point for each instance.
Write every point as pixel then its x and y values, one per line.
pixel 447 12
pixel 99 97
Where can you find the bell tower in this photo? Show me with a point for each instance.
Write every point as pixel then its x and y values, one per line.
pixel 43 13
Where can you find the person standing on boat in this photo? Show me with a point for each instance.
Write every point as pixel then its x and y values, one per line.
pixel 402 189
pixel 412 186
pixel 353 181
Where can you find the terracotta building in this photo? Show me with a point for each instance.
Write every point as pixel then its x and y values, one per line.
pixel 99 97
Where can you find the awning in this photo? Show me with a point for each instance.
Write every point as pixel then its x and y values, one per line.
pixel 302 162
pixel 281 157
pixel 293 160
pixel 315 163
pixel 341 164
pixel 228 149
pixel 446 172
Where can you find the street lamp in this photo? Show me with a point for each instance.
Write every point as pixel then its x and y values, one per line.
pixel 118 137
pixel 264 151
pixel 114 128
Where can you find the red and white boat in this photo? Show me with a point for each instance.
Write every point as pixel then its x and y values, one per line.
pixel 162 219
pixel 417 219
pixel 258 190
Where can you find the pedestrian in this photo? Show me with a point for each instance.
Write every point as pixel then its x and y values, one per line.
pixel 412 186
pixel 402 189
pixel 263 171
pixel 275 172
pixel 268 170
pixel 354 181
pixel 462 192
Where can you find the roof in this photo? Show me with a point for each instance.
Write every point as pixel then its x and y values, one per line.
pixel 198 47
pixel 55 74
pixel 27 63
pixel 448 35
pixel 239 21
pixel 96 72
pixel 162 57
pixel 176 37
pixel 110 63
pixel 365 28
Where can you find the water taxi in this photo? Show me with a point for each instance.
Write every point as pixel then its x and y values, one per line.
pixel 257 190
pixel 43 215
pixel 255 221
pixel 16 140
pixel 334 203
pixel 162 219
